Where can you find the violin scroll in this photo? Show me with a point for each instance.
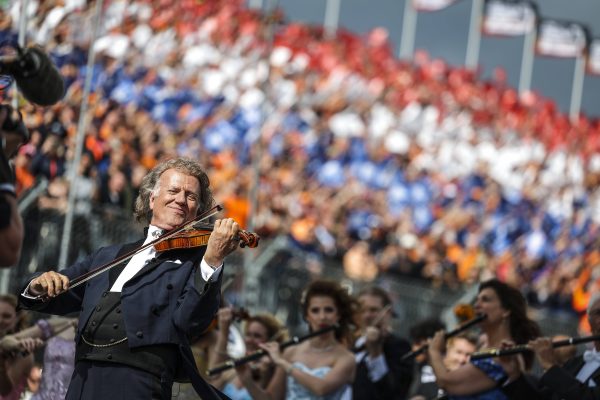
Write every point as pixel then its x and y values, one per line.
pixel 248 239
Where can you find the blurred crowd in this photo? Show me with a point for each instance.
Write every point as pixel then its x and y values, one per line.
pixel 393 168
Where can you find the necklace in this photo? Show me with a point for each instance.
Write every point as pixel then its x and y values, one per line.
pixel 325 349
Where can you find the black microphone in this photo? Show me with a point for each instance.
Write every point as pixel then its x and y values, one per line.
pixel 36 76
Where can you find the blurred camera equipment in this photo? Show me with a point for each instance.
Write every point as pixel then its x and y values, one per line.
pixel 37 78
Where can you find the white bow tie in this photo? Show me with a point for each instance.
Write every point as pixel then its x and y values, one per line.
pixel 157 233
pixel 591 355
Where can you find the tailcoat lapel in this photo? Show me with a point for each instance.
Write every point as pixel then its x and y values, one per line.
pixel 114 273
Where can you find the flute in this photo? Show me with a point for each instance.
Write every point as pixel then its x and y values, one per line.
pixel 523 347
pixel 259 353
pixel 454 332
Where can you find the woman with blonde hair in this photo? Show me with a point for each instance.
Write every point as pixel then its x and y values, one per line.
pixel 258 329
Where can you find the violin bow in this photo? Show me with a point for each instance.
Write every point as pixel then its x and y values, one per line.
pixel 97 271
pixel 376 321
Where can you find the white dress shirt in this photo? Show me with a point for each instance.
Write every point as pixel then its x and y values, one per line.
pixel 592 363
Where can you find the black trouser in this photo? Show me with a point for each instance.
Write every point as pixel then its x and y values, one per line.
pixel 97 380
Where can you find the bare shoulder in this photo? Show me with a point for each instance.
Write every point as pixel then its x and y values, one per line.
pixel 343 354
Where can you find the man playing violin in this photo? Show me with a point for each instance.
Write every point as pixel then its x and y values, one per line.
pixel 134 320
pixel 380 372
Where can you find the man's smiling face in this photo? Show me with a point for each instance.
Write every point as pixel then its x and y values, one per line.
pixel 175 200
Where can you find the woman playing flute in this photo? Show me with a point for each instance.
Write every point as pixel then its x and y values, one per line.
pixel 321 367
pixel 507 321
pixel 258 329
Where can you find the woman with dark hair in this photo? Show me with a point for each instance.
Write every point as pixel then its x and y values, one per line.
pixel 321 367
pixel 506 322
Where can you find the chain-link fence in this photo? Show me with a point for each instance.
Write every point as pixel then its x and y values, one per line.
pixel 43 234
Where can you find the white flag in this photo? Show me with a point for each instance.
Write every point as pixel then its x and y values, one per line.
pixel 431 5
pixel 561 39
pixel 508 18
pixel 593 64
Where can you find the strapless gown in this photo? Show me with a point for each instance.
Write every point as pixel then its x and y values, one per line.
pixel 296 391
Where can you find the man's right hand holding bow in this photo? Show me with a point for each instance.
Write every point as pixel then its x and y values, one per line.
pixel 49 284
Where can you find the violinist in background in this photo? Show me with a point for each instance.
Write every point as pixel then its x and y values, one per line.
pixel 131 341
pixel 380 372
pixel 258 329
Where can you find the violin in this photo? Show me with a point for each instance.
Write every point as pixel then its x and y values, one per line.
pixel 198 235
pixel 190 237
